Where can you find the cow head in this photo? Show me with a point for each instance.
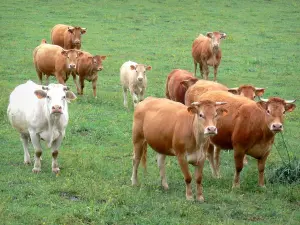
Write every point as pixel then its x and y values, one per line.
pixel 207 113
pixel 275 108
pixel 215 39
pixel 76 33
pixel 56 96
pixel 247 91
pixel 71 57
pixel 140 70
pixel 97 62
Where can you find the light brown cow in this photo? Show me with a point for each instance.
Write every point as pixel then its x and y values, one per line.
pixel 54 60
pixel 68 37
pixel 171 128
pixel 87 69
pixel 178 81
pixel 207 52
pixel 248 91
pixel 248 128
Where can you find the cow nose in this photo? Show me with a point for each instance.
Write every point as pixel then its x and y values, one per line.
pixel 211 130
pixel 77 42
pixel 56 109
pixel 277 126
pixel 73 66
pixel 100 68
pixel 140 78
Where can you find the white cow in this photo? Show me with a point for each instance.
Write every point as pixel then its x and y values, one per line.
pixel 40 112
pixel 133 77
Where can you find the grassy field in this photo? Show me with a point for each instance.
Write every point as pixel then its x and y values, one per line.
pixel 94 185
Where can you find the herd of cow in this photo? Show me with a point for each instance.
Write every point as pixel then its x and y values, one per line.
pixel 195 121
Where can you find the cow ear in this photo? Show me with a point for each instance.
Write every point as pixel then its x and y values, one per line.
pixel 223 35
pixel 70 29
pixel 79 53
pixel 209 34
pixel 64 52
pixel 70 96
pixel 83 30
pixel 192 109
pixel 262 104
pixel 189 82
pixel 148 67
pixel 259 91
pixel 289 107
pixel 222 112
pixel 233 90
pixel 40 94
pixel 103 57
pixel 132 67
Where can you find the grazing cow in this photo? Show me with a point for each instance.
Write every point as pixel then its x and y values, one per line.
pixel 54 60
pixel 40 113
pixel 133 77
pixel 67 37
pixel 87 69
pixel 171 128
pixel 207 52
pixel 178 81
pixel 248 128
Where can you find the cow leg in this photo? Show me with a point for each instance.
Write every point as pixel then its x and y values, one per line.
pixel 75 82
pixel 60 78
pixel 137 155
pixel 94 84
pixel 187 176
pixel 25 142
pixel 245 161
pixel 210 157
pixel 81 81
pixel 47 79
pixel 198 177
pixel 238 158
pixel 40 76
pixel 35 139
pixel 215 72
pixel 135 99
pixel 261 169
pixel 217 163
pixel 201 69
pixel 195 67
pixel 125 97
pixel 162 170
pixel 205 69
pixel 55 146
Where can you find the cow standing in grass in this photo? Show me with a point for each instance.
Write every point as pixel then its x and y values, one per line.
pixel 133 78
pixel 207 52
pixel 40 113
pixel 87 69
pixel 248 128
pixel 171 128
pixel 67 37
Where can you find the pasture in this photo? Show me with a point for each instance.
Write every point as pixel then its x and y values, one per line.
pixel 262 48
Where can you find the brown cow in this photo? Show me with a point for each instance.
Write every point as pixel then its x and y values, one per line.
pixel 202 86
pixel 248 128
pixel 207 52
pixel 87 69
pixel 67 37
pixel 171 128
pixel 54 60
pixel 178 81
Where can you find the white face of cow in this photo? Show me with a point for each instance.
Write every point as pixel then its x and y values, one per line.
pixel 140 71
pixel 57 96
pixel 216 39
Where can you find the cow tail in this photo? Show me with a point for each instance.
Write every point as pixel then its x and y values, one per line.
pixel 167 89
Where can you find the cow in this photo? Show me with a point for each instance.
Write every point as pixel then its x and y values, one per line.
pixel 207 52
pixel 40 113
pixel 133 77
pixel 248 128
pixel 178 81
pixel 202 86
pixel 171 128
pixel 87 69
pixel 51 59
pixel 67 37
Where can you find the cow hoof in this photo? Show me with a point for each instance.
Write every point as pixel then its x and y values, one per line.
pixel 189 198
pixel 200 199
pixel 27 162
pixel 234 186
pixel 262 186
pixel 36 170
pixel 165 187
pixel 55 170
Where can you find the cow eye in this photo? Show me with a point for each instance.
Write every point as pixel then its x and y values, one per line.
pixel 64 97
pixel 201 115
pixel 268 111
pixel 284 112
pixel 48 97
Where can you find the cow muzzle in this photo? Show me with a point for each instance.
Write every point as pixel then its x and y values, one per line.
pixel 140 79
pixel 99 68
pixel 77 42
pixel 72 66
pixel 211 130
pixel 56 109
pixel 276 127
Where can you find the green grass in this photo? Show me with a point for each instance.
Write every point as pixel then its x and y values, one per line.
pixel 94 185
